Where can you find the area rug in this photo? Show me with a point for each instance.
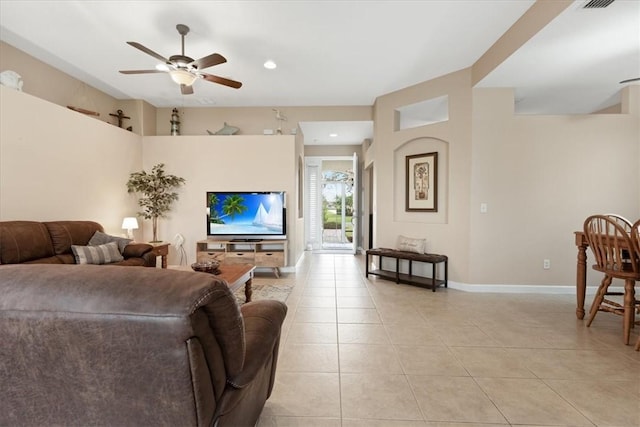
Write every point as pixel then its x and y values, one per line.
pixel 262 291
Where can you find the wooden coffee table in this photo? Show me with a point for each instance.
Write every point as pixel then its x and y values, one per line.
pixel 234 275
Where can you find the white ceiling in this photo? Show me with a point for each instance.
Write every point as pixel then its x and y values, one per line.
pixel 576 63
pixel 330 53
pixel 336 133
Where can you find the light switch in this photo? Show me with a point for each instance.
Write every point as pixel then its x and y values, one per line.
pixel 483 208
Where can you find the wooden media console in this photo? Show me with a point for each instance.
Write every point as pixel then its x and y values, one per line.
pixel 261 253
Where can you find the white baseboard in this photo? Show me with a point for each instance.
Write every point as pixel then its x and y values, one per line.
pixel 525 289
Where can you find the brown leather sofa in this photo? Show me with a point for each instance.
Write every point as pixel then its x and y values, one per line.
pixel 50 243
pixel 118 346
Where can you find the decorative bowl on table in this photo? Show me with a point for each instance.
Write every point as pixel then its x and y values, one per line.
pixel 206 267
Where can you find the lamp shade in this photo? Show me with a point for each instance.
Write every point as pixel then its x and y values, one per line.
pixel 183 77
pixel 130 223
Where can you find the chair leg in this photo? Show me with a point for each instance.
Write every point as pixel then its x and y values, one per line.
pixel 600 294
pixel 629 307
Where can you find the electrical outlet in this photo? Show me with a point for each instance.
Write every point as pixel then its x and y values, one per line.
pixel 546 264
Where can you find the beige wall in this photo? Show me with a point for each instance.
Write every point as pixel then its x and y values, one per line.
pixel 142 116
pixel 541 176
pixel 221 163
pixel 57 164
pixel 254 120
pixel 446 231
pixel 51 84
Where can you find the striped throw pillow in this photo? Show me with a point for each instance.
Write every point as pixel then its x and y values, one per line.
pixel 100 254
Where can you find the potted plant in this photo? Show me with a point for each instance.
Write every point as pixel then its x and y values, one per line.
pixel 157 193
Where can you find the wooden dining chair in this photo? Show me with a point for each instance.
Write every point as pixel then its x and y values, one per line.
pixel 616 257
pixel 609 303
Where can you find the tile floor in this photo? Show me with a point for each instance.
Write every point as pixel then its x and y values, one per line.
pixel 361 352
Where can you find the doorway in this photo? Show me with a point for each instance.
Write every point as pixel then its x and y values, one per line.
pixel 331 205
pixel 337 210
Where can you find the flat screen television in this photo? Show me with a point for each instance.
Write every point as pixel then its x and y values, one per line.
pixel 246 215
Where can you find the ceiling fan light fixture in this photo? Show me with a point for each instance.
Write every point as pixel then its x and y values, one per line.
pixel 183 77
pixel 182 69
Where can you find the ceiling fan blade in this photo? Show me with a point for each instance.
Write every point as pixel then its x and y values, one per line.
pixel 630 80
pixel 221 80
pixel 149 51
pixel 141 71
pixel 186 90
pixel 209 61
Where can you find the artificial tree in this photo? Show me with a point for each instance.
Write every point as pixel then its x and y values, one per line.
pixel 157 193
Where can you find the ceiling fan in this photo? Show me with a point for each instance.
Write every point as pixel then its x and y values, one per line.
pixel 183 69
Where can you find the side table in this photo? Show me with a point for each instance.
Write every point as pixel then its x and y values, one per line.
pixel 160 249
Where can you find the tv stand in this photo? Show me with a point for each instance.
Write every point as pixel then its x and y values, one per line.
pixel 259 252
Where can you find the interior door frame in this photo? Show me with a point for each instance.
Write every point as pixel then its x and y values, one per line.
pixel 312 161
pixel 356 219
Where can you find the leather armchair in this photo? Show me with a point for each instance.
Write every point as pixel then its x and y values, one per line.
pixel 98 345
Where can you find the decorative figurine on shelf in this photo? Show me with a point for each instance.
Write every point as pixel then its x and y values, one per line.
pixel 226 130
pixel 120 117
pixel 175 122
pixel 11 79
pixel 280 118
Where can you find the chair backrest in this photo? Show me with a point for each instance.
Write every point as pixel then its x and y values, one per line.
pixel 635 236
pixel 612 246
pixel 621 221
pixel 626 225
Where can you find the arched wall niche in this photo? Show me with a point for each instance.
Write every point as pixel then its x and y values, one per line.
pixel 412 147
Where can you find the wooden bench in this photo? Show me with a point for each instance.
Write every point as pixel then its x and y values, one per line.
pixel 425 282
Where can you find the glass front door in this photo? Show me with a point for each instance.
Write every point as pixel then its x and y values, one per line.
pixel 337 211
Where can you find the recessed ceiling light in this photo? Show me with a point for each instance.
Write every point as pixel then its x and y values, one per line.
pixel 270 65
pixel 333 135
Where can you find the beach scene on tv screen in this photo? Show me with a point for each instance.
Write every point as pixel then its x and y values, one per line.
pixel 245 213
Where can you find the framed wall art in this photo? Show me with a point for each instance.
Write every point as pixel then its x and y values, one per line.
pixel 422 183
